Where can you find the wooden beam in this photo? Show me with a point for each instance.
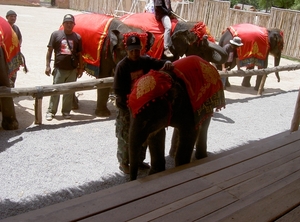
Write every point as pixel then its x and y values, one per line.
pixel 57 89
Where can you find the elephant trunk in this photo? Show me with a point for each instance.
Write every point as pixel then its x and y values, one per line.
pixel 276 63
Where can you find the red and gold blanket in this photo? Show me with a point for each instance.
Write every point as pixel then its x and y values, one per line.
pixel 147 22
pixel 93 29
pixel 256 43
pixel 202 81
pixel 10 44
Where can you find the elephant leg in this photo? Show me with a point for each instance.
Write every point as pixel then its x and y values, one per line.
pixel 9 120
pixel 227 83
pixel 258 81
pixel 174 143
pixel 201 142
pixel 246 79
pixel 156 142
pixel 102 97
pixel 187 137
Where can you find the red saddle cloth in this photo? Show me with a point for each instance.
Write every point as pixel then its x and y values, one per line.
pixel 93 29
pixel 202 81
pixel 10 44
pixel 256 43
pixel 147 22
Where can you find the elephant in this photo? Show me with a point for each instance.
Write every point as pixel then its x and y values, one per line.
pixel 184 99
pixel 258 42
pixel 188 38
pixel 103 48
pixel 10 60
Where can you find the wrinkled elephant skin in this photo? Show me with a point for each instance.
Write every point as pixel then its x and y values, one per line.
pixel 173 106
pixel 112 51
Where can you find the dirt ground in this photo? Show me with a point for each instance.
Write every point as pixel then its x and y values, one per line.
pixel 37 24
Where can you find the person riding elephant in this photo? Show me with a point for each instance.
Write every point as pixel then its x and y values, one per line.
pixel 258 42
pixel 187 38
pixel 103 48
pixel 184 99
pixel 10 61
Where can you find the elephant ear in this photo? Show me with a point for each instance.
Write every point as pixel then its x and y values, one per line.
pixel 114 39
pixel 150 41
pixel 181 41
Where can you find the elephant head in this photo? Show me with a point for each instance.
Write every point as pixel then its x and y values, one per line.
pixel 276 46
pixel 185 42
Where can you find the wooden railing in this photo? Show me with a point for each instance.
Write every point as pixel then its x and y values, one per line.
pixel 39 92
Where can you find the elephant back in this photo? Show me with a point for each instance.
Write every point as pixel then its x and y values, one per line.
pixel 154 85
pixel 93 37
pixel 256 44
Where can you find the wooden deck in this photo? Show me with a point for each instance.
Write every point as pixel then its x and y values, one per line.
pixel 256 182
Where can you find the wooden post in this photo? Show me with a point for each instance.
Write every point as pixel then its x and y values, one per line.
pixel 38 105
pixel 296 117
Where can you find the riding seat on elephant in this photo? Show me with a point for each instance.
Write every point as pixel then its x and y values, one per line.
pixel 10 61
pixel 258 43
pixel 188 38
pixel 185 99
pixel 103 48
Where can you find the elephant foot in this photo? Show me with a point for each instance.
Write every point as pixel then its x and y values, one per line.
pixel 10 124
pixel 256 88
pixel 246 84
pixel 200 154
pixel 227 83
pixel 102 112
pixel 153 170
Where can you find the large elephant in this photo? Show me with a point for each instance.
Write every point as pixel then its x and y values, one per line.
pixel 258 42
pixel 188 38
pixel 103 48
pixel 10 60
pixel 185 99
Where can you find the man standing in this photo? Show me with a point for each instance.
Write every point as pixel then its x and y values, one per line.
pixel 68 64
pixel 231 49
pixel 163 11
pixel 11 17
pixel 128 70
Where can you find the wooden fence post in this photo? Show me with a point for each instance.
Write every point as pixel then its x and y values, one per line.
pixel 38 105
pixel 296 117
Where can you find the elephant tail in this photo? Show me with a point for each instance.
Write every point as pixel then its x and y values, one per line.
pixel 24 63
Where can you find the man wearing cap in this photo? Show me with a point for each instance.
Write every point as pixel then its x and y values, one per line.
pixel 68 64
pixel 127 71
pixel 231 49
pixel 11 17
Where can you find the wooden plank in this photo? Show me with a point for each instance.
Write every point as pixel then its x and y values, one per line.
pixel 293 215
pixel 107 199
pixel 158 201
pixel 265 179
pixel 245 154
pixel 272 195
pixel 270 206
pixel 243 171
